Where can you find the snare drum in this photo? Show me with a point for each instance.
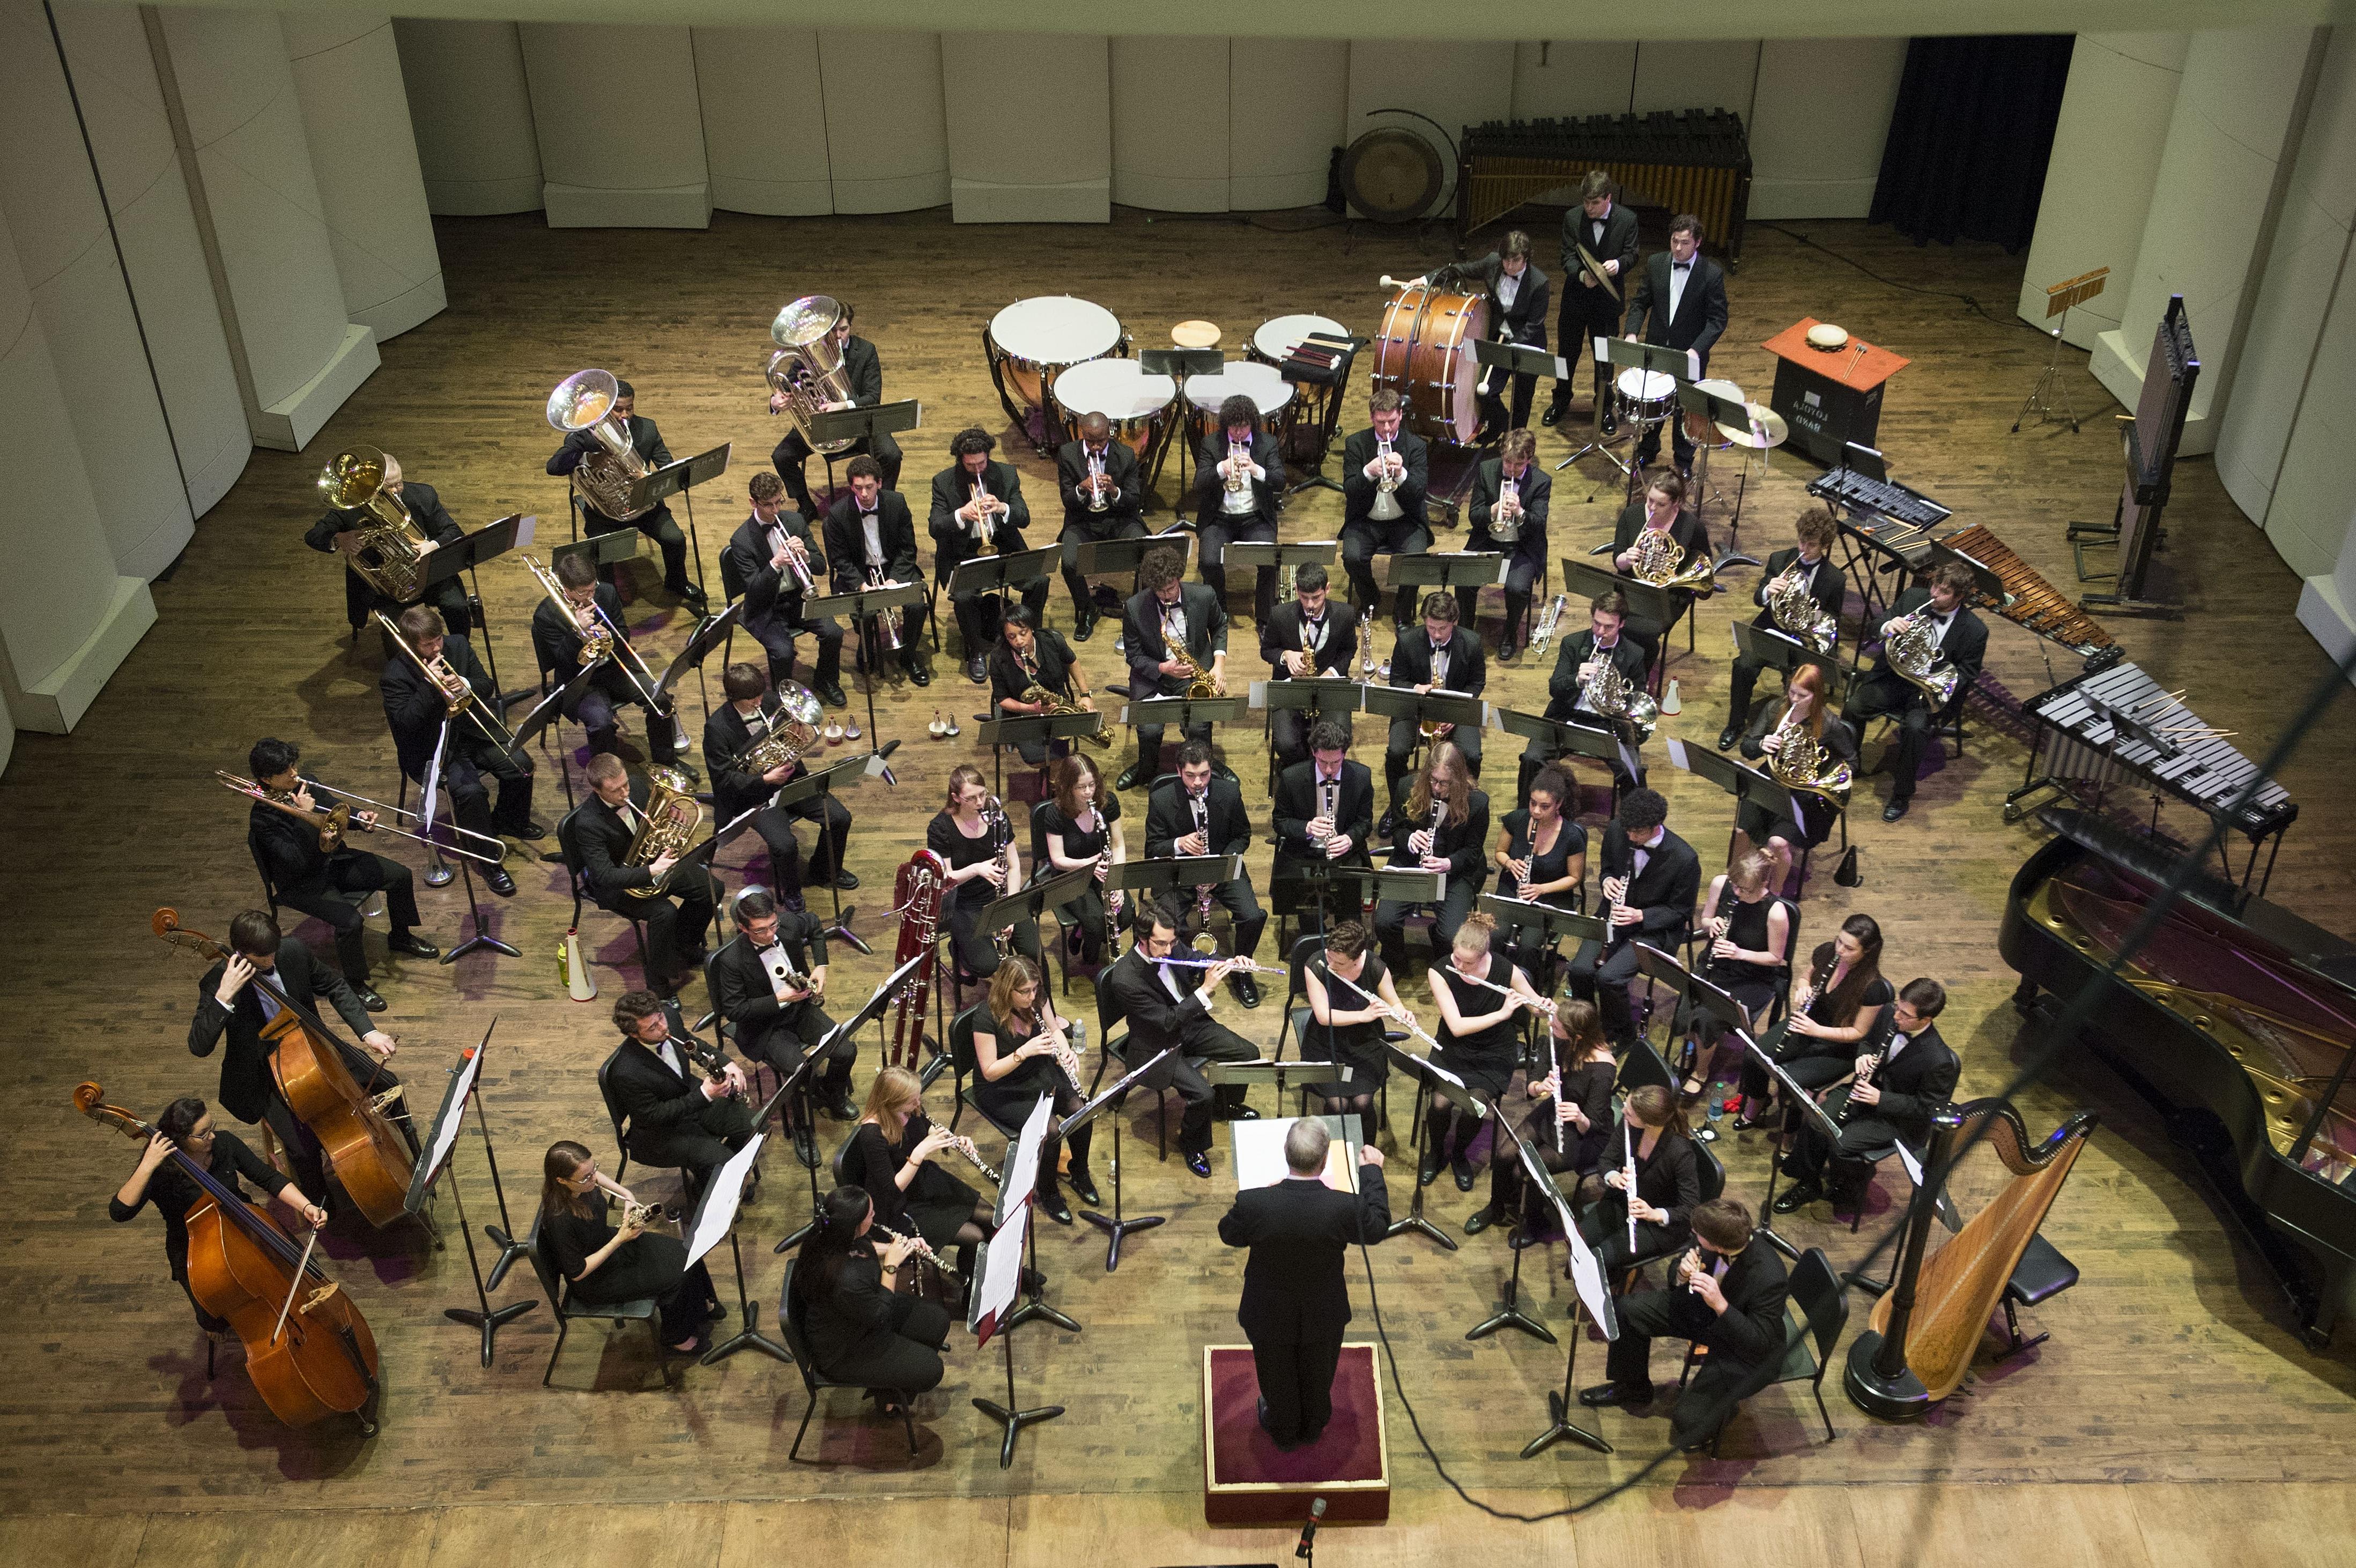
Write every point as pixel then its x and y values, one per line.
pixel 1646 395
pixel 1305 434
pixel 1196 335
pixel 1424 353
pixel 1269 391
pixel 1031 341
pixel 1138 404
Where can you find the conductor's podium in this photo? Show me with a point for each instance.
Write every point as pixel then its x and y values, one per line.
pixel 1246 1479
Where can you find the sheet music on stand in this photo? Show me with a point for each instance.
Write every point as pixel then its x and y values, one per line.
pixel 715 1216
pixel 1586 1271
pixel 1022 1172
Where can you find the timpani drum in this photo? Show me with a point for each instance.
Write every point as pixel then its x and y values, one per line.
pixel 1424 353
pixel 1276 339
pixel 1303 435
pixel 1646 395
pixel 1196 335
pixel 1030 342
pixel 1268 390
pixel 1137 403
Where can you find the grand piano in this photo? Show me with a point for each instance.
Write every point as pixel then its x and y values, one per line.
pixel 2237 1021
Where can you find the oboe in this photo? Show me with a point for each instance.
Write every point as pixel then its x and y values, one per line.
pixel 917 1245
pixel 964 1146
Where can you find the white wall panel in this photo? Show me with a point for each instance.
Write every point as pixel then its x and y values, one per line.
pixel 470 107
pixel 611 164
pixel 1036 145
pixel 1288 109
pixel 764 102
pixel 1171 146
pixel 1565 77
pixel 888 151
pixel 1804 162
pixel 1458 84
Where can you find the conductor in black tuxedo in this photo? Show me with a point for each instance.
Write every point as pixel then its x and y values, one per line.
pixel 1166 1006
pixel 1103 488
pixel 334 534
pixel 1296 1300
pixel 1886 1104
pixel 557 644
pixel 1518 296
pixel 656 522
pixel 978 509
pixel 1201 814
pixel 1656 877
pixel 675 1119
pixel 1514 525
pixel 864 370
pixel 1386 471
pixel 1818 578
pixel 1590 303
pixel 1961 638
pixel 604 826
pixel 1238 487
pixel 1660 510
pixel 1311 637
pixel 1680 303
pixel 766 560
pixel 1728 1293
pixel 415 710
pixel 1438 656
pixel 1165 614
pixel 870 539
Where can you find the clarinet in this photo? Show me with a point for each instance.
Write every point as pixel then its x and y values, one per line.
pixel 1884 1032
pixel 1628 1175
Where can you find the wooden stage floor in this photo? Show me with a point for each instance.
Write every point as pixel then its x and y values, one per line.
pixel 2173 1415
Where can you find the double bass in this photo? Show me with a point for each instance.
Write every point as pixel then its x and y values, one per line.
pixel 367 1153
pixel 307 1348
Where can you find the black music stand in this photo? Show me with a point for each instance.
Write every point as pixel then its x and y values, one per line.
pixel 1553 923
pixel 1509 1313
pixel 997 573
pixel 798 1080
pixel 1305 885
pixel 1114 1226
pixel 488 542
pixel 1436 707
pixel 715 1214
pixel 482 937
pixel 1449 569
pixel 1267 553
pixel 1169 874
pixel 1035 901
pixel 1773 650
pixel 1612 741
pixel 1177 364
pixel 860 424
pixel 1274 1072
pixel 1185 712
pixel 711 633
pixel 822 782
pixel 441 1141
pixel 1747 784
pixel 679 478
pixel 1794 1098
pixel 1015 729
pixel 1106 557
pixel 1429 1079
pixel 1680 365
pixel 1315 697
pixel 1646 601
pixel 602 549
pixel 861 604
pixel 1515 360
pixel 547 711
pixel 1590 1290
pixel 993 1294
pixel 1596 440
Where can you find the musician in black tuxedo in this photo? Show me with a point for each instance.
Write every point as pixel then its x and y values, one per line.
pixel 414 709
pixel 1439 655
pixel 871 537
pixel 1296 1300
pixel 1887 1102
pixel 1518 295
pixel 1605 641
pixel 656 523
pixel 1591 304
pixel 1379 521
pixel 1661 509
pixel 1200 814
pixel 1961 638
pixel 334 534
pixel 1325 804
pixel 958 526
pixel 1103 488
pixel 331 883
pixel 1442 825
pixel 1657 877
pixel 760 563
pixel 864 370
pixel 688 1124
pixel 229 1003
pixel 1825 588
pixel 1680 303
pixel 1166 1006
pixel 1237 453
pixel 1164 605
pixel 602 829
pixel 557 642
pixel 748 717
pixel 1311 638
pixel 777 1020
pixel 1515 529
pixel 1728 1293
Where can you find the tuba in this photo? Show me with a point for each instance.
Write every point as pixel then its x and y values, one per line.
pixel 1913 655
pixel 1798 616
pixel 792 735
pixel 807 367
pixel 1800 762
pixel 388 550
pixel 670 819
pixel 584 401
pixel 1614 696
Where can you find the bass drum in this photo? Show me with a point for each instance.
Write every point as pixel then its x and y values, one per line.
pixel 1030 342
pixel 1424 353
pixel 1137 402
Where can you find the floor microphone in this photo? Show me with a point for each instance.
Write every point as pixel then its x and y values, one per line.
pixel 1307 1548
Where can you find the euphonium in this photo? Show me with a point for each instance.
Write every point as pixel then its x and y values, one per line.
pixel 584 401
pixel 1913 655
pixel 1799 616
pixel 1801 762
pixel 596 642
pixel 807 367
pixel 1614 696
pixel 668 823
pixel 389 552
pixel 792 734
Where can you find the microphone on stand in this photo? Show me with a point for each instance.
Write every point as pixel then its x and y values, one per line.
pixel 1307 1550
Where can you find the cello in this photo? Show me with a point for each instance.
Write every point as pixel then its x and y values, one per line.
pixel 307 1348
pixel 368 1155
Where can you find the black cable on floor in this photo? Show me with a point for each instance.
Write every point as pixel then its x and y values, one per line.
pixel 1971 301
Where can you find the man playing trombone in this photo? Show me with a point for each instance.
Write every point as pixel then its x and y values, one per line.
pixel 436 684
pixel 578 623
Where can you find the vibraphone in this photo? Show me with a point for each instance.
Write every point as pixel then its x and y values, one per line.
pixel 2119 723
pixel 2029 601
pixel 1697 161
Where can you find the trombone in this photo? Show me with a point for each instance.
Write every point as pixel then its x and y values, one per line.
pixel 600 639
pixel 455 690
pixel 337 817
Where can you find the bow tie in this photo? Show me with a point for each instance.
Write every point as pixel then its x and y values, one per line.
pixel 1681 266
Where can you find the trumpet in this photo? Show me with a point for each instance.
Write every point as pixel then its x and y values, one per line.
pixel 797 563
pixel 459 696
pixel 1386 482
pixel 1506 517
pixel 917 1245
pixel 887 622
pixel 1239 460
pixel 1547 622
pixel 337 820
pixel 985 532
pixel 1096 484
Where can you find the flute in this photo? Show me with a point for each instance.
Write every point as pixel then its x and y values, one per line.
pixel 1241 963
pixel 1400 1013
pixel 918 1245
pixel 1536 1004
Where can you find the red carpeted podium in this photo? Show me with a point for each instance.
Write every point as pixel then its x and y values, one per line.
pixel 1246 1479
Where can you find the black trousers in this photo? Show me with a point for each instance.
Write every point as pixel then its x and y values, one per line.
pixel 792 455
pixel 831 819
pixel 1842 1169
pixel 1650 635
pixel 1510 1197
pixel 1524 392
pixel 980 615
pixel 1811 1063
pixel 977 949
pixel 1718 1384
pixel 1012 1107
pixel 360 598
pixel 1458 896
pixel 1240 902
pixel 1217 531
pixel 1521 576
pixel 1296 1379
pixel 1288 732
pixel 598 712
pixel 797 1031
pixel 1405 736
pixel 699 1144
pixel 358 872
pixel 1361 542
pixel 464 767
pixel 777 641
pixel 1605 1228
pixel 1210 1041
pixel 1885 691
pixel 658 525
pixel 675 921
pixel 1681 446
pixel 1741 683
pixel 1603 978
pixel 1586 314
pixel 1080 529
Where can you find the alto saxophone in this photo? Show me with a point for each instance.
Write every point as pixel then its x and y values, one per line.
pixel 1199 684
pixel 665 826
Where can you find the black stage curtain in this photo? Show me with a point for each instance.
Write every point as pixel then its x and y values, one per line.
pixel 1970 135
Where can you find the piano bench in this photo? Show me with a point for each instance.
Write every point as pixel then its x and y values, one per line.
pixel 2041 1275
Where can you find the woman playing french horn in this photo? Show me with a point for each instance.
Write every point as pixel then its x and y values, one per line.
pixel 1810 752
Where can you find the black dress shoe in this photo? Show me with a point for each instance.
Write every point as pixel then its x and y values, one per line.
pixel 1084 1186
pixel 1128 777
pixel 1429 1174
pixel 369 999
pixel 1551 415
pixel 496 879
pixel 1200 1164
pixel 1894 810
pixel 842 1110
pixel 692 600
pixel 1238 1111
pixel 1246 988
pixel 1478 1221
pixel 844 882
pixel 1507 650
pixel 1057 1209
pixel 1603 1394
pixel 806 1147
pixel 1465 1175
pixel 533 831
pixel 416 946
pixel 1798 1197
pixel 1084 625
pixel 977 672
pixel 919 673
pixel 1611 422
pixel 833 696
pixel 1726 738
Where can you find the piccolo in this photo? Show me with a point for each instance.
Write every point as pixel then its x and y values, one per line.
pixel 918 1245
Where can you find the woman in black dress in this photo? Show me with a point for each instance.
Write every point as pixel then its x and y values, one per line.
pixel 1015 1062
pixel 971 833
pixel 1541 857
pixel 1831 1018
pixel 1745 958
pixel 607 1264
pixel 846 1303
pixel 1480 1040
pixel 188 1126
pixel 1568 1117
pixel 891 1154
pixel 1777 834
pixel 1076 826
pixel 1457 847
pixel 1028 655
pixel 1344 1025
pixel 1668 1182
